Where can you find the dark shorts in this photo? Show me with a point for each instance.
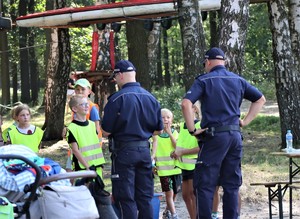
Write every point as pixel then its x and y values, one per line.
pixel 187 174
pixel 169 183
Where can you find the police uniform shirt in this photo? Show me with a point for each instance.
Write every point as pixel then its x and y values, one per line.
pixel 132 114
pixel 221 93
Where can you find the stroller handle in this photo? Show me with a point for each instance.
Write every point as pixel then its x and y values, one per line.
pixel 68 175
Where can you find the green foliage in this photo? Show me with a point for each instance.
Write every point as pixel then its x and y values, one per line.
pixel 258 57
pixel 171 98
pixel 268 89
pixel 81 47
pixel 270 124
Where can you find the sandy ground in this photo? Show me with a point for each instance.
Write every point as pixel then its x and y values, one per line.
pixel 249 210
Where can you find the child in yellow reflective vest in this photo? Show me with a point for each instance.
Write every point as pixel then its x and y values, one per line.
pixel 169 175
pixel 12 126
pixel 25 133
pixel 186 154
pixel 82 137
pixel 82 86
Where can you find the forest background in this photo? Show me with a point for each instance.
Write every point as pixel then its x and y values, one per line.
pixel 35 68
pixel 36 62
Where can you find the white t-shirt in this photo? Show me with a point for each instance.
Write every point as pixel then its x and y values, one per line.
pixel 27 131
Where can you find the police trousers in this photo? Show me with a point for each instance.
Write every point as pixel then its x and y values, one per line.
pixel 132 182
pixel 219 163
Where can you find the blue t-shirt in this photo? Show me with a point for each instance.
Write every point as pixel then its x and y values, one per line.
pixel 221 93
pixel 94 114
pixel 132 114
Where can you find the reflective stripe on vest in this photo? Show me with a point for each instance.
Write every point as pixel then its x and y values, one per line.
pixel 159 159
pixel 166 168
pixel 164 163
pixel 88 143
pixel 30 140
pixel 186 141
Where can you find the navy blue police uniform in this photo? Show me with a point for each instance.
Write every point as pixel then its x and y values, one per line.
pixel 131 116
pixel 221 93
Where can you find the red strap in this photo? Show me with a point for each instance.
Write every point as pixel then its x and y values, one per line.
pixel 95 47
pixel 112 49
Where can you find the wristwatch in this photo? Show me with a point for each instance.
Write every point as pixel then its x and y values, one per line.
pixel 193 132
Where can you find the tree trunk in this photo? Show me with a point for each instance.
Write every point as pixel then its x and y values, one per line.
pixel 166 58
pixel 160 81
pixel 14 56
pixel 214 23
pixel 103 87
pixel 24 61
pixel 286 80
pixel 34 79
pixel 58 70
pixel 136 36
pixel 153 51
pixel 294 8
pixel 193 40
pixel 235 16
pixel 5 82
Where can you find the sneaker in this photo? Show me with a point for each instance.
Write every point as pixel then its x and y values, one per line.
pixel 175 216
pixel 167 215
pixel 214 215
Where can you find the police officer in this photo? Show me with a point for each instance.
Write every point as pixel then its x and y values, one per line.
pixel 221 93
pixel 131 116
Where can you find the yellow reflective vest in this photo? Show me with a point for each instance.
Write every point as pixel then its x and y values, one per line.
pixel 164 163
pixel 5 132
pixel 88 144
pixel 187 141
pixel 91 105
pixel 30 140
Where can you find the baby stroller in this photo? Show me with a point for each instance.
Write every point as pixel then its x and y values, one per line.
pixel 43 191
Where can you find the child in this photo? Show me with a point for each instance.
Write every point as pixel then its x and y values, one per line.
pixel 25 133
pixel 82 137
pixel 170 176
pixel 12 126
pixel 186 154
pixel 82 86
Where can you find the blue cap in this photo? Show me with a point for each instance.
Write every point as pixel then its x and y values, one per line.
pixel 215 53
pixel 123 66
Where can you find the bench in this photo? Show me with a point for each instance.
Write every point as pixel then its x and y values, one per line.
pixel 294 187
pixel 277 190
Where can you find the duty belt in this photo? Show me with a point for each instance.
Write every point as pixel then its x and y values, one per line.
pixel 117 145
pixel 225 128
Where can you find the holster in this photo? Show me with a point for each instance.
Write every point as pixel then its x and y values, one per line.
pixel 210 132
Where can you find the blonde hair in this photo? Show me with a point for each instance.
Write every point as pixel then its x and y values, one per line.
pixel 18 109
pixel 196 106
pixel 75 100
pixel 167 111
pixel 13 110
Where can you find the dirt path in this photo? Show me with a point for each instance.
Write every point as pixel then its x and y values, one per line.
pixel 270 108
pixel 249 210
